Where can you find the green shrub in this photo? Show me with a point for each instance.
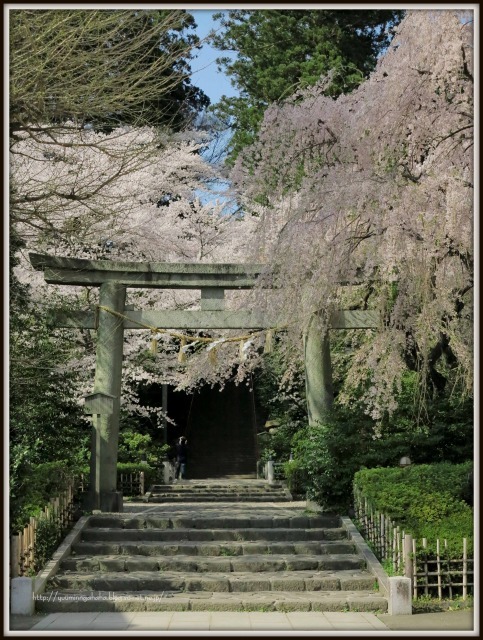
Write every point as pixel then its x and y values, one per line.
pixel 379 484
pixel 48 537
pixel 266 454
pixel 296 477
pixel 45 481
pixel 139 447
pixel 326 455
pixel 453 529
pixel 277 444
pixel 151 474
pixel 280 440
pixel 425 500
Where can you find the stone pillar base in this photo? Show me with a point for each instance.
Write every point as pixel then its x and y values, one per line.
pixel 399 601
pixel 111 502
pixel 168 472
pixel 270 472
pixel 22 596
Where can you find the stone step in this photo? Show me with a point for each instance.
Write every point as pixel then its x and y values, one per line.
pixel 246 476
pixel 207 535
pixel 210 549
pixel 179 489
pixel 128 521
pixel 229 582
pixel 212 496
pixel 234 461
pixel 208 494
pixel 184 487
pixel 256 563
pixel 188 485
pixel 242 465
pixel 200 473
pixel 202 470
pixel 230 482
pixel 222 555
pixel 218 499
pixel 206 499
pixel 201 496
pixel 99 601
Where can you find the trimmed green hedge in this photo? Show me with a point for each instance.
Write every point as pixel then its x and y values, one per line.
pixel 151 474
pixel 428 501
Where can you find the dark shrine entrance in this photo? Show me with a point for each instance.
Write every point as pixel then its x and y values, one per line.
pixel 221 433
pixel 220 425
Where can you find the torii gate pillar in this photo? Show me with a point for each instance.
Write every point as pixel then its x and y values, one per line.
pixel 108 381
pixel 318 373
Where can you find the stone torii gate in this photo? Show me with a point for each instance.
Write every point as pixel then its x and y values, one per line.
pixel 114 277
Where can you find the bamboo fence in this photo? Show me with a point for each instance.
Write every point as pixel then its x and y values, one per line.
pixel 60 511
pixel 433 574
pixel 278 470
pixel 131 484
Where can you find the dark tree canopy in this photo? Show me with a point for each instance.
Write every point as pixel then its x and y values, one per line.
pixel 104 67
pixel 180 105
pixel 281 51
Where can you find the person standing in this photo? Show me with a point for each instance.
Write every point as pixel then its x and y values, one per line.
pixel 181 458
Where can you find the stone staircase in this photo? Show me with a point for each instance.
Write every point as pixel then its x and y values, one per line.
pixel 232 489
pixel 213 557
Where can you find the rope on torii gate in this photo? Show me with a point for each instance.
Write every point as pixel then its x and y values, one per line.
pixel 184 338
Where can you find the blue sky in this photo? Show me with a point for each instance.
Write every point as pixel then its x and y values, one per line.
pixel 206 76
pixel 203 67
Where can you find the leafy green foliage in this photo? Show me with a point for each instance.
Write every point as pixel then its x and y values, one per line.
pixel 296 477
pixel 453 528
pixel 328 455
pixel 45 422
pixel 151 473
pixel 266 452
pixel 283 402
pixel 48 536
pixel 135 447
pixel 36 486
pixel 333 452
pixel 281 51
pixel 426 500
pixel 440 477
